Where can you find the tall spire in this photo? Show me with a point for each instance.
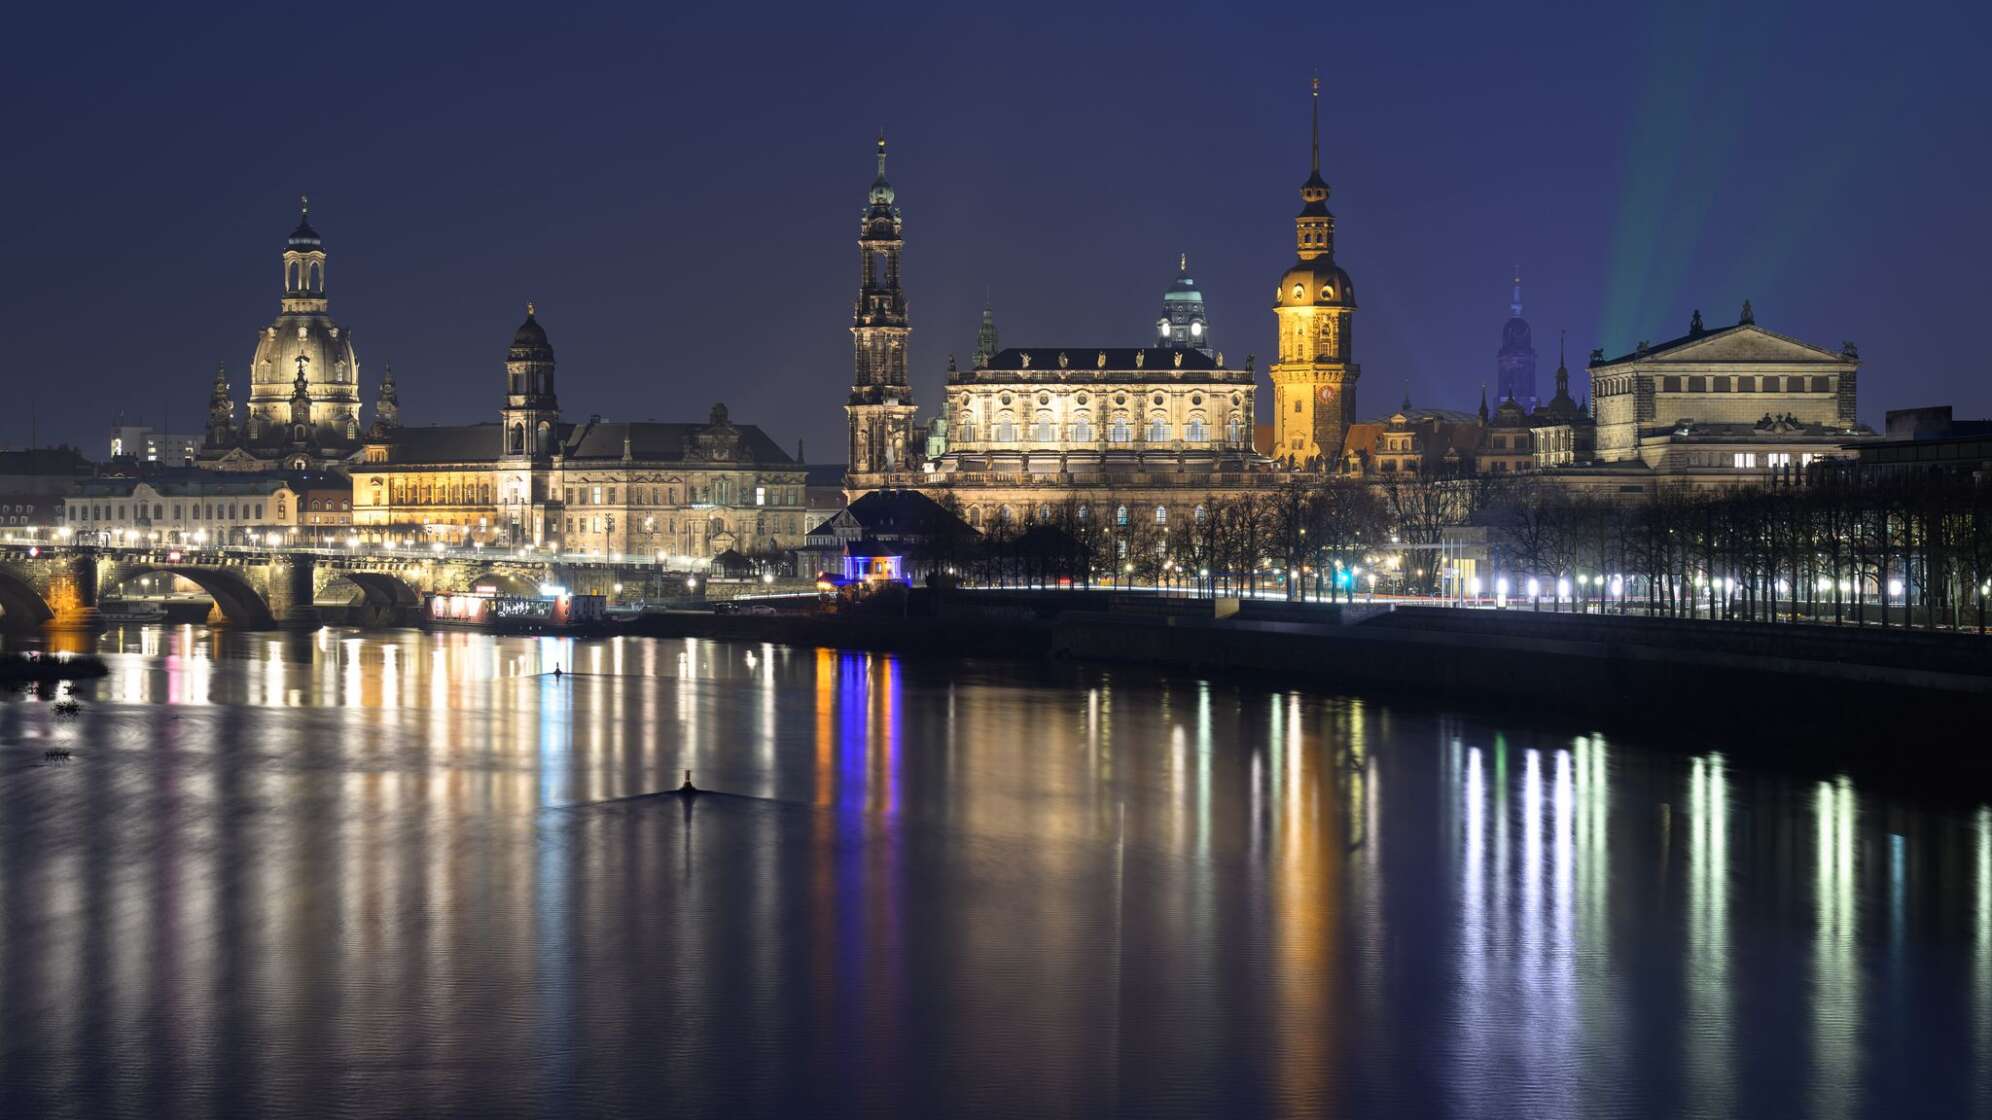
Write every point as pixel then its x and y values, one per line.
pixel 1317 122
pixel 985 339
pixel 1515 304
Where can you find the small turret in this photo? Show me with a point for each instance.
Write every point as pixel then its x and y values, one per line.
pixel 221 411
pixel 387 407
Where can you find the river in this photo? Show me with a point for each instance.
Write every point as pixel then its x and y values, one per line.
pixel 422 874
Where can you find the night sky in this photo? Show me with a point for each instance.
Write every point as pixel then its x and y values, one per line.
pixel 678 190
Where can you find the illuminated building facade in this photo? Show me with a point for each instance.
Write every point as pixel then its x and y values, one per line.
pixel 1737 397
pixel 674 492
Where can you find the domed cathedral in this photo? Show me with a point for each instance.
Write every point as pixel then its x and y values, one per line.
pixel 1314 380
pixel 1515 367
pixel 881 409
pixel 1182 323
pixel 304 380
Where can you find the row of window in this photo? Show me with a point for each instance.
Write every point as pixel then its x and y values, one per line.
pixel 1747 460
pixel 1122 515
pixel 1081 431
pixel 1725 383
pixel 198 511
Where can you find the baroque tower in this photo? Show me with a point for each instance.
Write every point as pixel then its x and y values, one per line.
pixel 531 416
pixel 880 408
pixel 1314 378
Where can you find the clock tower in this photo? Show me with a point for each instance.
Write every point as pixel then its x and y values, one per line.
pixel 1314 378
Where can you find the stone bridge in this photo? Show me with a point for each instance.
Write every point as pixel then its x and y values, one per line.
pixel 257 589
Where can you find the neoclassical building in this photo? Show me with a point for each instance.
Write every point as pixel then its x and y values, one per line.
pixel 304 378
pixel 677 493
pixel 1732 398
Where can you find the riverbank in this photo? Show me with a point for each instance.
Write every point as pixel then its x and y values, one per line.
pixel 1821 690
pixel 41 668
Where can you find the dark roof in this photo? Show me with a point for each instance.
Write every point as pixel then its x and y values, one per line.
pixel 897 511
pixel 1158 358
pixel 666 442
pixel 887 509
pixel 449 443
pixel 44 460
pixel 195 482
pixel 1653 348
pixel 649 442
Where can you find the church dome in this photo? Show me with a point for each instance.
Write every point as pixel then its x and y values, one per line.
pixel 304 239
pixel 1320 282
pixel 529 342
pixel 311 344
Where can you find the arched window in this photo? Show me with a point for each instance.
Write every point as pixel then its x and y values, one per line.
pixel 1006 427
pixel 1120 516
pixel 1234 429
pixel 1200 511
pixel 1042 429
pixel 1195 431
pixel 1119 431
pixel 1158 428
pixel 1082 427
pixel 965 426
pixel 518 439
pixel 1161 515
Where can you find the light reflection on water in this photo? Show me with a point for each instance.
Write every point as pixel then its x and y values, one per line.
pixel 421 873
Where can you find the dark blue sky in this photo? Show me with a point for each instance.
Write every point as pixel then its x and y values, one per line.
pixel 678 189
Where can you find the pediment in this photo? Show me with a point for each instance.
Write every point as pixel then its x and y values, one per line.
pixel 1746 343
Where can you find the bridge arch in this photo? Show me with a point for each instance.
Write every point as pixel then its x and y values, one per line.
pixel 505 583
pixel 239 603
pixel 381 589
pixel 21 606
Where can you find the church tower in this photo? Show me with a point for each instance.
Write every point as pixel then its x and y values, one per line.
pixel 880 408
pixel 531 417
pixel 1182 325
pixel 1515 365
pixel 1314 378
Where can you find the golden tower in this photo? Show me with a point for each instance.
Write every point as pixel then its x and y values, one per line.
pixel 1314 380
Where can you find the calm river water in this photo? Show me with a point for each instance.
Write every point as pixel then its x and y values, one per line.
pixel 404 873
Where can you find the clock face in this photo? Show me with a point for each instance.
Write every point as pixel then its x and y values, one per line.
pixel 1327 394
